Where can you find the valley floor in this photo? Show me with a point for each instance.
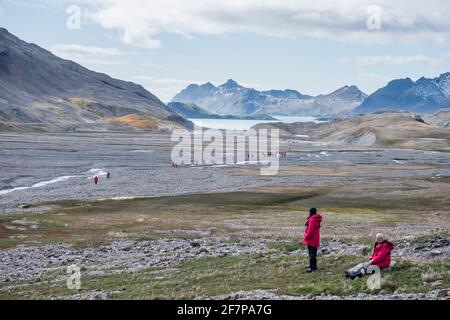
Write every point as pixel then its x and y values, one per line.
pixel 154 231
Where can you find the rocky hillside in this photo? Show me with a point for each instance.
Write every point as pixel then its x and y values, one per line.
pixel 39 91
pixel 390 129
pixel 439 119
pixel 189 110
pixel 232 98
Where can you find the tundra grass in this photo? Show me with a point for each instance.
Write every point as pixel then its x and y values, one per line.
pixel 209 277
pixel 349 213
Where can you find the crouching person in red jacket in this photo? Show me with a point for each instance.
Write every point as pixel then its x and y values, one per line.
pixel 381 255
pixel 312 237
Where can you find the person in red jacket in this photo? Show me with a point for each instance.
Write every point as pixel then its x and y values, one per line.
pixel 381 255
pixel 312 237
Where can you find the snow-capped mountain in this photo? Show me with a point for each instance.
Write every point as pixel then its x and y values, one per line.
pixel 232 98
pixel 194 92
pixel 422 96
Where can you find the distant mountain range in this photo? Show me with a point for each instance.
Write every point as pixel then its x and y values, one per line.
pixel 232 98
pixel 421 96
pixel 41 91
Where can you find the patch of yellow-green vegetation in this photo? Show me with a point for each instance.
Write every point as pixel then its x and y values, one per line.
pixel 46 229
pixel 390 196
pixel 440 179
pixel 145 122
pixel 285 246
pixel 208 277
pixel 51 283
pixel 361 215
pixel 8 237
pixel 8 243
pixel 391 142
pixel 413 276
pixel 80 102
pixel 59 111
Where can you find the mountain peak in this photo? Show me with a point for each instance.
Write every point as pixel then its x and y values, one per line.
pixel 231 84
pixel 208 85
pixel 445 75
pixel 193 93
pixel 349 90
pixel 347 87
pixel 192 86
pixel 407 81
pixel 422 79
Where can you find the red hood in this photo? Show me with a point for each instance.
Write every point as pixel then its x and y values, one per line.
pixel 317 217
pixel 387 244
pixel 390 245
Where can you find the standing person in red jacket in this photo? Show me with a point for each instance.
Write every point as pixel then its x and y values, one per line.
pixel 381 255
pixel 312 237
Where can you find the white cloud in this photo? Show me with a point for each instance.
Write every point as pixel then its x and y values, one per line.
pixel 141 22
pixel 87 54
pixel 165 88
pixel 398 60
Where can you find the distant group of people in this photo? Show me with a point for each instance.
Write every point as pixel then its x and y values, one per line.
pixel 248 157
pixel 97 178
pixel 280 153
pixel 381 254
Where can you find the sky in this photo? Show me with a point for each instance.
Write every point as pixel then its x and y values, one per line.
pixel 314 47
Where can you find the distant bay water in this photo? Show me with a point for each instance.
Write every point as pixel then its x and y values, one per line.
pixel 232 124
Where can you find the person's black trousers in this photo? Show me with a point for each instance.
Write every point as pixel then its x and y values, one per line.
pixel 312 253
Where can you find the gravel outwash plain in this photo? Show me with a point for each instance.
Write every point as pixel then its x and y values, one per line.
pixel 50 167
